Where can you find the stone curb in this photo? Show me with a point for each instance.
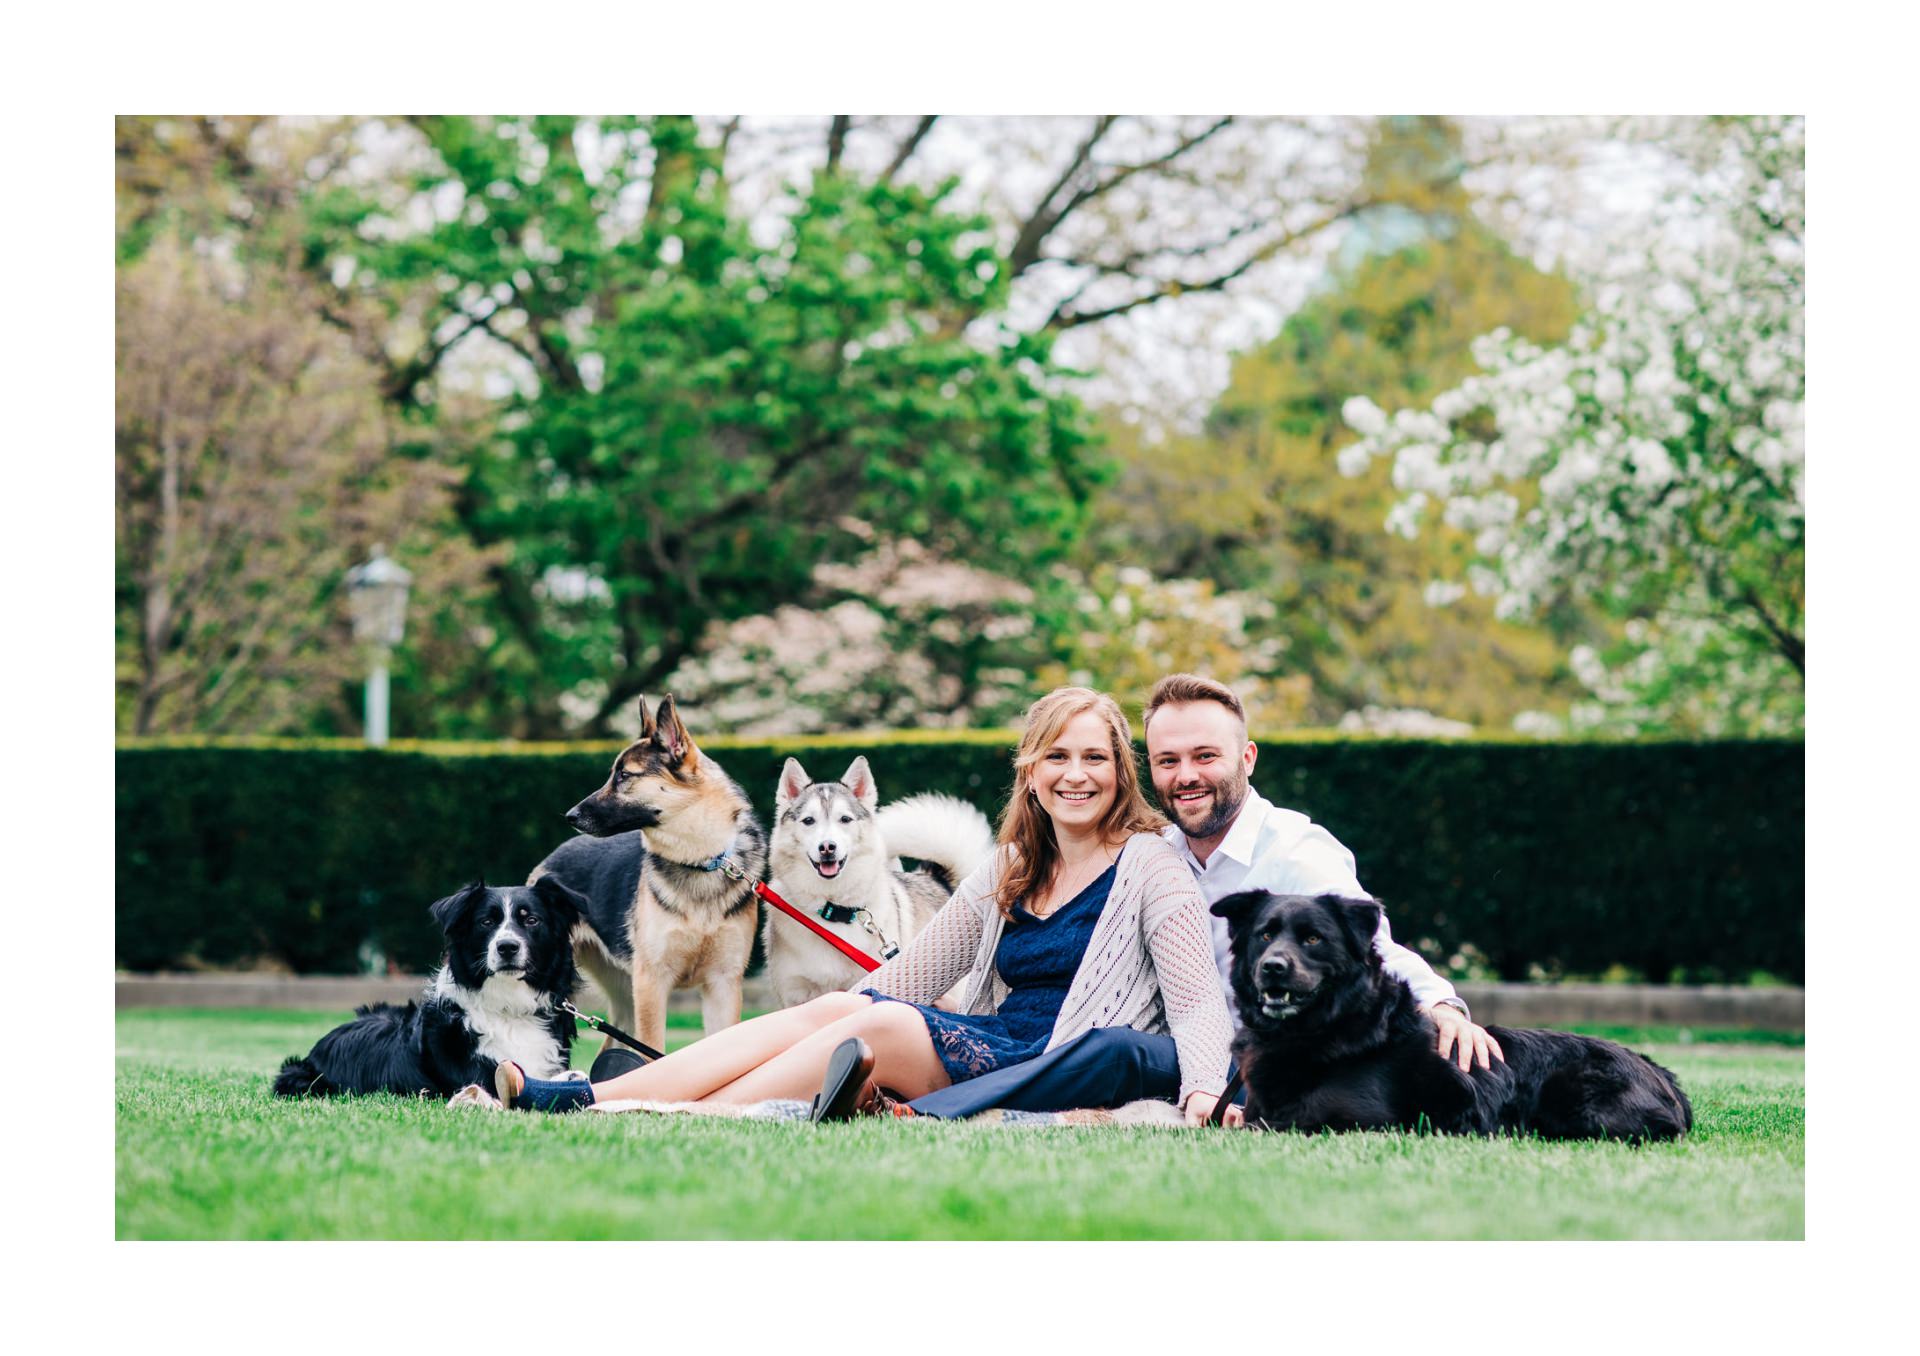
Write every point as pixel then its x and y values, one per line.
pixel 1722 1005
pixel 1506 1004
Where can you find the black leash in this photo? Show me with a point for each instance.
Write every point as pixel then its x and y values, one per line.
pixel 603 1025
pixel 1226 1098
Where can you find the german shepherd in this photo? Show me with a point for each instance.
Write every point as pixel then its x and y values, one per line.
pixel 661 914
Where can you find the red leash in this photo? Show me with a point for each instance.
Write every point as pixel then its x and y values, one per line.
pixel 840 944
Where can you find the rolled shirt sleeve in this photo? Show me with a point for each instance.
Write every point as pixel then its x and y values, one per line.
pixel 1319 864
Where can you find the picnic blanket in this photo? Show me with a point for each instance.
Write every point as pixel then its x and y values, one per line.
pixel 794 1109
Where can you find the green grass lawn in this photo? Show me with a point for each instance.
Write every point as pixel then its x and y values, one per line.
pixel 203 1150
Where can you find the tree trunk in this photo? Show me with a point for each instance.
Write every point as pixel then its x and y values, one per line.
pixel 157 615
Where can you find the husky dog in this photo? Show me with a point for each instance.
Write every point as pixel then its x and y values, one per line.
pixel 509 965
pixel 660 913
pixel 833 858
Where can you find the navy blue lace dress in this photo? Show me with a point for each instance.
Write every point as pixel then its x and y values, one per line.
pixel 1036 958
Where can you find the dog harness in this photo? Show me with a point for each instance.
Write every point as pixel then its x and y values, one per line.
pixel 845 913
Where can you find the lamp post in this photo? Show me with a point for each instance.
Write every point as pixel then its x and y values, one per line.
pixel 377 599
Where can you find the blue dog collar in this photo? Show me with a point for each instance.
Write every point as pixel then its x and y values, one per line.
pixel 719 862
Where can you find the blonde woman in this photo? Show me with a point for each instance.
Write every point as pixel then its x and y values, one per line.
pixel 1084 918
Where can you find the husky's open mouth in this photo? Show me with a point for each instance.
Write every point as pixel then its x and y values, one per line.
pixel 828 870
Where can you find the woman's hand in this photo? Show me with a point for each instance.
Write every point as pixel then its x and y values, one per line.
pixel 1200 1107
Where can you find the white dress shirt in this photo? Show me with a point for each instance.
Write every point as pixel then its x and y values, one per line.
pixel 1286 853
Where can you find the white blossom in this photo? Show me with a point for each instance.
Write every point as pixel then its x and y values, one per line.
pixel 1418 468
pixel 1363 416
pixel 1405 723
pixel 1539 725
pixel 1404 518
pixel 1652 467
pixel 1450 405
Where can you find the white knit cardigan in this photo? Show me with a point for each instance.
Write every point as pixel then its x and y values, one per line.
pixel 1149 964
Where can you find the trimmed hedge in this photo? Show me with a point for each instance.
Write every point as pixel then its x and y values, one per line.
pixel 1670 858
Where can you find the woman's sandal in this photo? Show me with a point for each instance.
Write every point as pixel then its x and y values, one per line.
pixel 518 1092
pixel 878 1101
pixel 509 1080
pixel 848 1069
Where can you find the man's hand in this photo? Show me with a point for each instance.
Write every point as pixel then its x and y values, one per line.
pixel 1474 1044
pixel 1200 1106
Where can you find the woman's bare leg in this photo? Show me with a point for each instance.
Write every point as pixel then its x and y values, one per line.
pixel 690 1073
pixel 903 1058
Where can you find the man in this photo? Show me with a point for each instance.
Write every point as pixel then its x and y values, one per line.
pixel 1200 759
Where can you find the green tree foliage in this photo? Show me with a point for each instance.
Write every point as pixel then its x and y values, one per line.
pixel 620 336
pixel 1255 501
pixel 709 403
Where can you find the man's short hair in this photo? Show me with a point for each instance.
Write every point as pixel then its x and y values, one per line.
pixel 1178 688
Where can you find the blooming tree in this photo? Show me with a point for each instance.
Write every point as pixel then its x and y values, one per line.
pixel 905 638
pixel 1652 464
pixel 1133 628
pixel 899 637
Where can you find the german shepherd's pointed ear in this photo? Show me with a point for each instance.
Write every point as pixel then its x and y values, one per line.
pixel 448 912
pixel 1237 908
pixel 793 780
pixel 1359 919
pixel 859 780
pixel 670 733
pixel 569 906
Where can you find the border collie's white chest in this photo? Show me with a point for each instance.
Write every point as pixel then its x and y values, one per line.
pixel 508 1021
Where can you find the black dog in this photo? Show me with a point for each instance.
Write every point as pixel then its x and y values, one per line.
pixel 509 964
pixel 1330 1042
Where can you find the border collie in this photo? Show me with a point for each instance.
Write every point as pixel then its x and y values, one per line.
pixel 509 965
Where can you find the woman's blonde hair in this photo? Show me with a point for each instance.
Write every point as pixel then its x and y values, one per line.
pixel 1029 829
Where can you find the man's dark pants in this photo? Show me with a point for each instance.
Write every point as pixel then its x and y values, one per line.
pixel 1108 1066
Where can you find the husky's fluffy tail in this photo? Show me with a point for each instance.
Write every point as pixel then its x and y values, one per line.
pixel 945 833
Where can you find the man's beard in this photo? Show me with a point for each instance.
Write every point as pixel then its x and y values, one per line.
pixel 1228 797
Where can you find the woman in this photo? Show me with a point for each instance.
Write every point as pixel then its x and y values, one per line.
pixel 1084 918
